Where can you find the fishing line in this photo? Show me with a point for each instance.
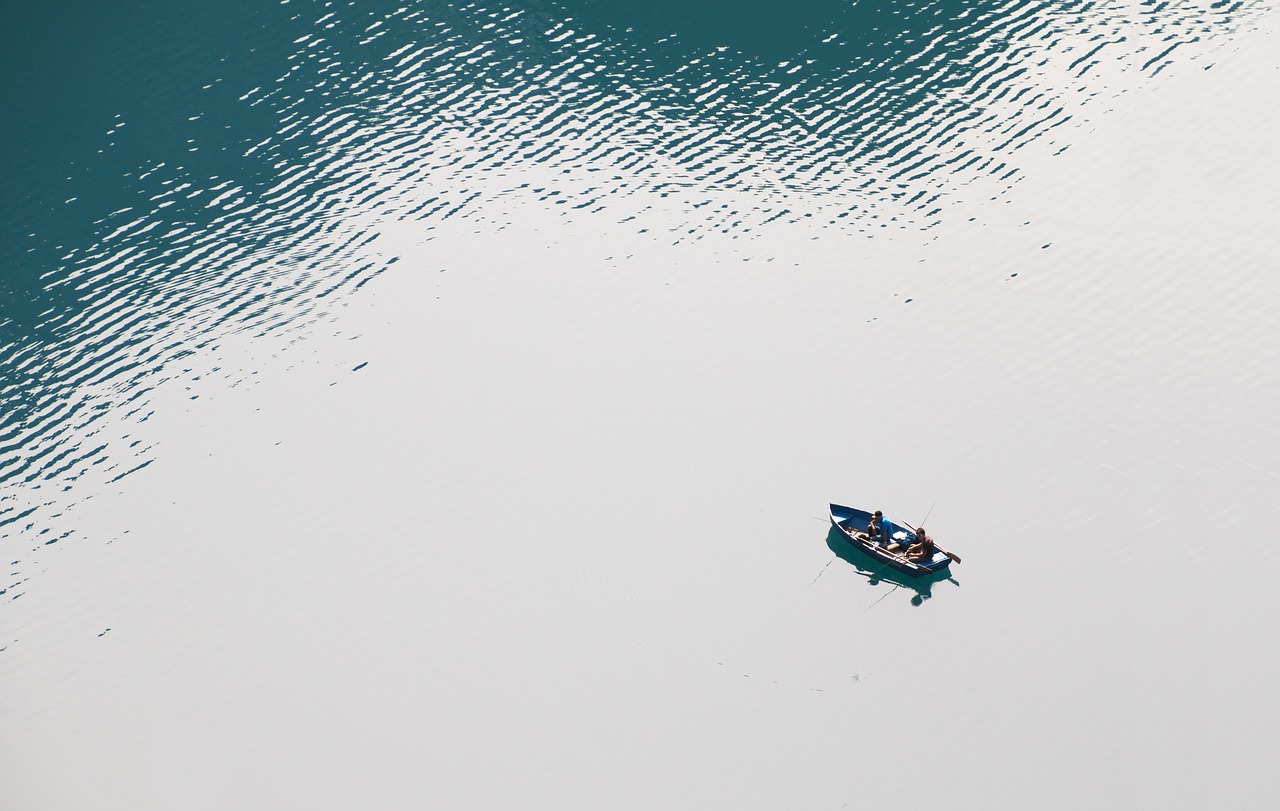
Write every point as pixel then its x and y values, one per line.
pixel 896 586
pixel 824 568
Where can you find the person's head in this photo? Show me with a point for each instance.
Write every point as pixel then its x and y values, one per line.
pixel 877 515
pixel 920 531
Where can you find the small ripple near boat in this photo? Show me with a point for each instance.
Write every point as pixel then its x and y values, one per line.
pixel 851 522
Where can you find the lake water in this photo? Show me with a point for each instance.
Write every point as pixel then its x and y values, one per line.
pixel 437 404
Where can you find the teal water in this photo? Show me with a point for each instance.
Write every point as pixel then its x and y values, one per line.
pixel 511 349
pixel 175 174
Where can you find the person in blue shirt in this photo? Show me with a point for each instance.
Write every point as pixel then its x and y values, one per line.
pixel 875 529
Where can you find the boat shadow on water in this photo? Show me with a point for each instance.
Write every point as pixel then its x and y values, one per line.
pixel 877 573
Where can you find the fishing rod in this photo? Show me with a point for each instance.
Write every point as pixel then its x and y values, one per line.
pixel 926 515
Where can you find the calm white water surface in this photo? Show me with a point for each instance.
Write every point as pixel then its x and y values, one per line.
pixel 465 449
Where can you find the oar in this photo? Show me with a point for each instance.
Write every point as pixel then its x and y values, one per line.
pixel 900 558
pixel 951 555
pixel 904 560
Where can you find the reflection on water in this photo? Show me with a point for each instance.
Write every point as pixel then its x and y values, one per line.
pixel 877 573
pixel 250 187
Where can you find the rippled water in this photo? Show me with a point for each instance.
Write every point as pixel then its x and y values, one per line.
pixel 615 263
pixel 230 171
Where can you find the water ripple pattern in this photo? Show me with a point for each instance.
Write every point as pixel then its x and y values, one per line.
pixel 246 190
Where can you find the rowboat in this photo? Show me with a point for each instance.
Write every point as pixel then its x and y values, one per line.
pixel 852 522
